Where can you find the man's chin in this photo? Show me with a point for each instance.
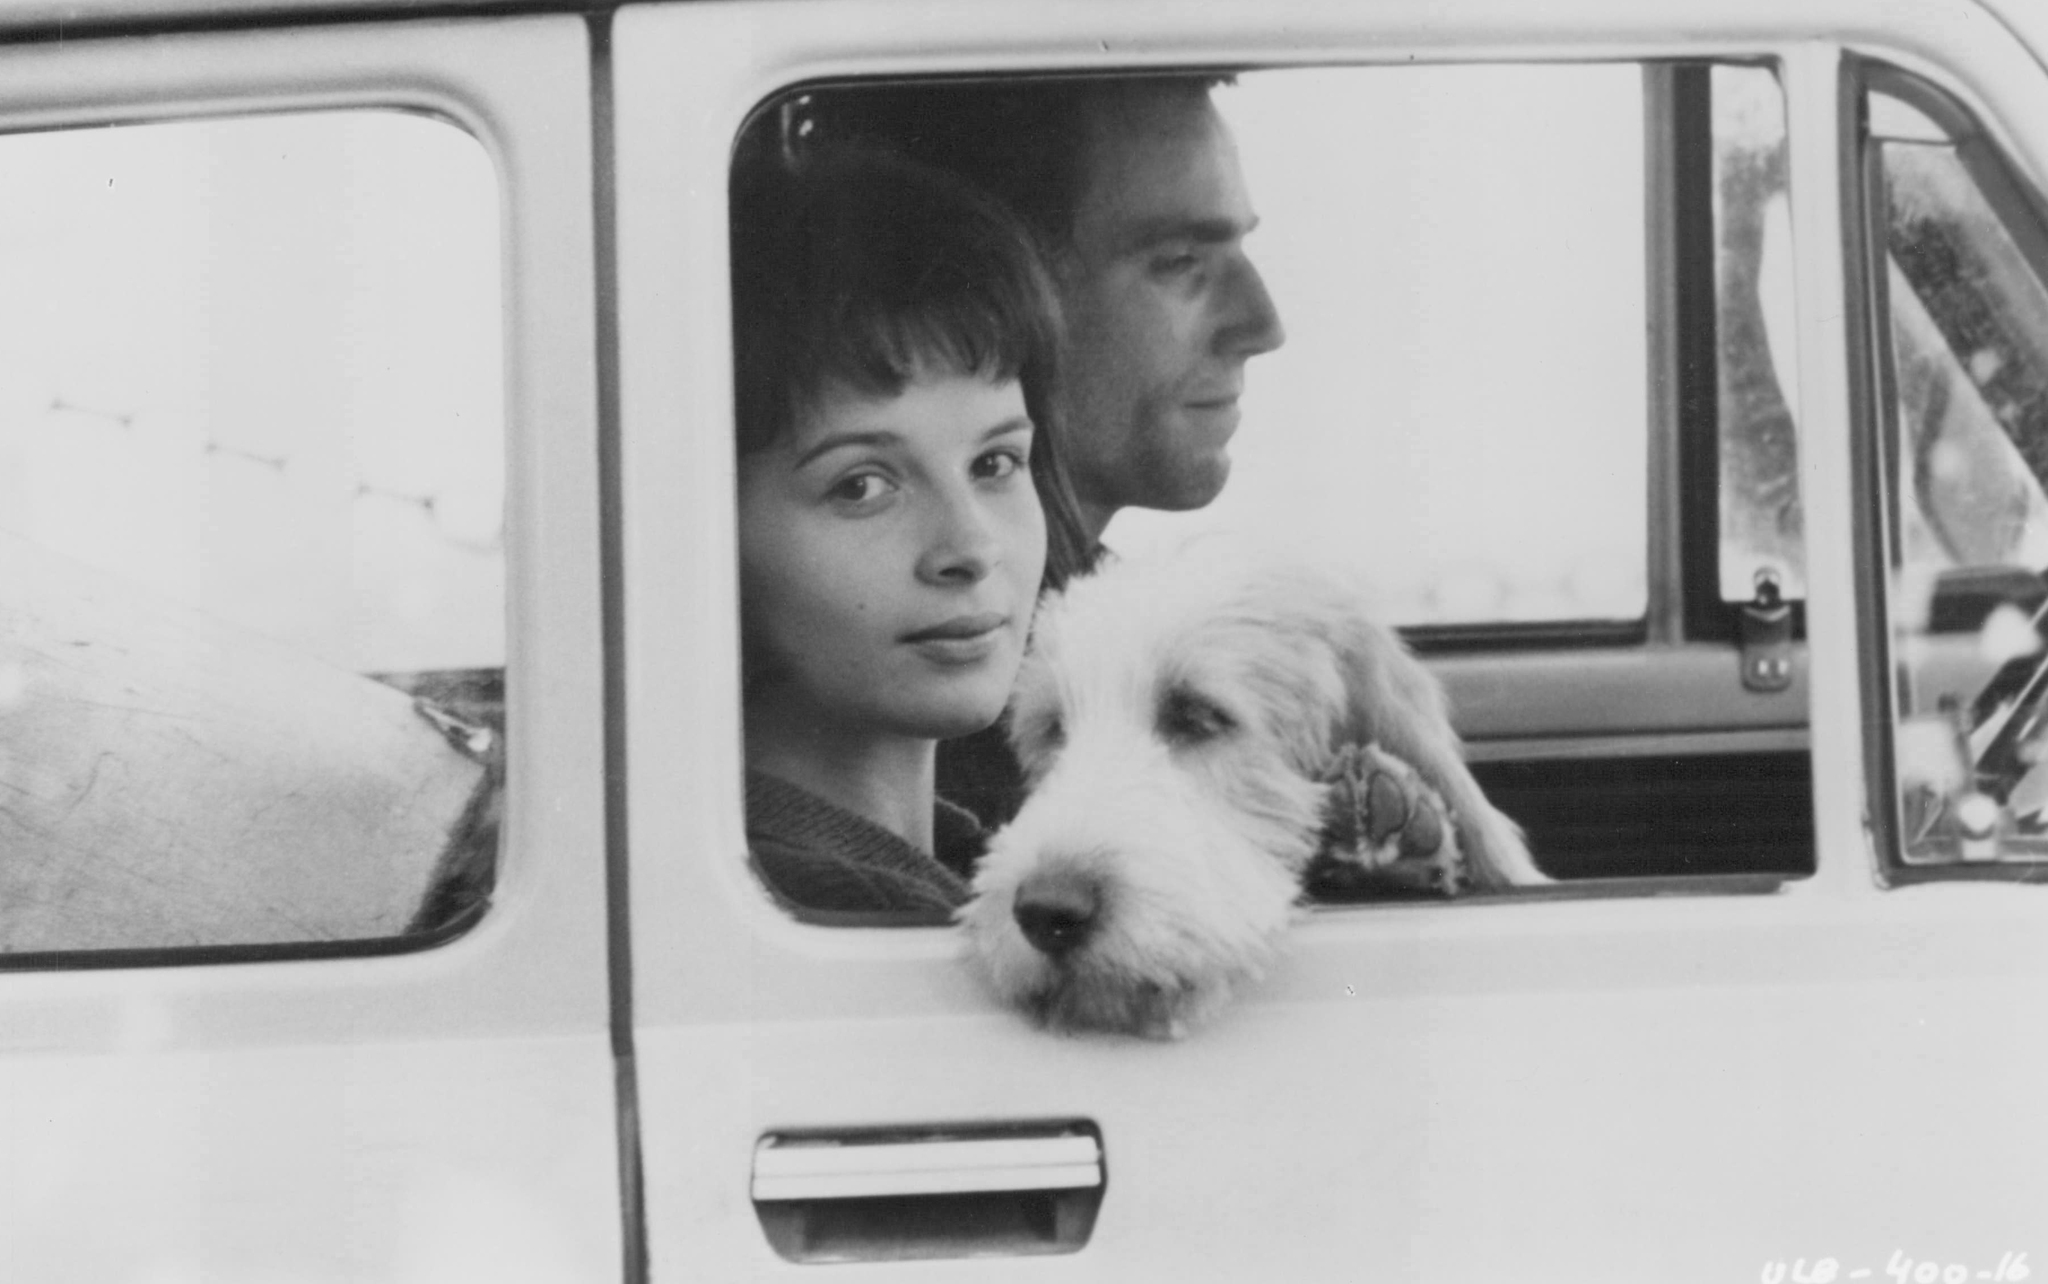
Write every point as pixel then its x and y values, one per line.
pixel 1195 484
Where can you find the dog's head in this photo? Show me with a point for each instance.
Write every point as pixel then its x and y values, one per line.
pixel 1174 717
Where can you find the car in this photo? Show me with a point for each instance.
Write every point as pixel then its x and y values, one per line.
pixel 374 895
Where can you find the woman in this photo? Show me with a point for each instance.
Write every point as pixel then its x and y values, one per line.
pixel 900 508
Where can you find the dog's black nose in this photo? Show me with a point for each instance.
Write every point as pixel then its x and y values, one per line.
pixel 1057 910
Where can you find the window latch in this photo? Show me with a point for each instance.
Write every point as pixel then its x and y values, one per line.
pixel 1765 632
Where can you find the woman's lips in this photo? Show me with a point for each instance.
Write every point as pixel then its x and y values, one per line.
pixel 964 639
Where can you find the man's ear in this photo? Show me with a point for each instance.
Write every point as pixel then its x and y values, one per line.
pixel 1071 269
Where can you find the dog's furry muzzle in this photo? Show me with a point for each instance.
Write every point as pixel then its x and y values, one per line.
pixel 1120 898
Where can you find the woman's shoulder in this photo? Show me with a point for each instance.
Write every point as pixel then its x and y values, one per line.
pixel 819 856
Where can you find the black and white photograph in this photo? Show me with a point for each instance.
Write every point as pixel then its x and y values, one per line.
pixel 714 640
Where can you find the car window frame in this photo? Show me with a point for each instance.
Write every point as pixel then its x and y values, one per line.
pixel 411 76
pixel 2022 211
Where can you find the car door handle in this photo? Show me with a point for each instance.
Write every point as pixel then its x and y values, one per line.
pixel 848 1168
pixel 877 1195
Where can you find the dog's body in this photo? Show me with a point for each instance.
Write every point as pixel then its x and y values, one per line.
pixel 1176 718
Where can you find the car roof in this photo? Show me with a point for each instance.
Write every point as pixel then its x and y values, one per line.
pixel 67 18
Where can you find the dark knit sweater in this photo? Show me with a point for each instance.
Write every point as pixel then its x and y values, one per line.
pixel 980 772
pixel 825 860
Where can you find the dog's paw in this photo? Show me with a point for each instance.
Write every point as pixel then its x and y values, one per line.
pixel 1385 832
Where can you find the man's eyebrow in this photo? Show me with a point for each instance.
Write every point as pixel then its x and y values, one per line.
pixel 1146 233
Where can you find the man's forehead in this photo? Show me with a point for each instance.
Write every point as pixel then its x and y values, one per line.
pixel 1159 162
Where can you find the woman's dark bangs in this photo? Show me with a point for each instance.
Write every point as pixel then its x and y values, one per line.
pixel 883 351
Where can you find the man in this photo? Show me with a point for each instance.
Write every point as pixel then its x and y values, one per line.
pixel 1133 188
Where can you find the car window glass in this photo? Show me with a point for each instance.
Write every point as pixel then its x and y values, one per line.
pixel 251 503
pixel 1968 521
pixel 1761 523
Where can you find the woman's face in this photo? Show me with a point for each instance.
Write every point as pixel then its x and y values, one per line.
pixel 890 554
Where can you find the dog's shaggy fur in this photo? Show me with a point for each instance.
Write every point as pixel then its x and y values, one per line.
pixel 1176 718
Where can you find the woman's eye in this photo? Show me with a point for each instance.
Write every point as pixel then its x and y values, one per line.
pixel 860 488
pixel 998 464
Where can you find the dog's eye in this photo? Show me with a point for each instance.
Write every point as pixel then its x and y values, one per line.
pixel 1039 738
pixel 1047 734
pixel 1188 718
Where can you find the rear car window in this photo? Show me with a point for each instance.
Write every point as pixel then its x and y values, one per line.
pixel 251 511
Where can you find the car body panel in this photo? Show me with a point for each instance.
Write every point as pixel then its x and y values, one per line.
pixel 381 1116
pixel 1682 1087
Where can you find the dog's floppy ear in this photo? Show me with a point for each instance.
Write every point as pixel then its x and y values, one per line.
pixel 1394 703
pixel 1033 714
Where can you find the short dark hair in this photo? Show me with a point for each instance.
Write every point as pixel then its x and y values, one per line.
pixel 852 266
pixel 1024 140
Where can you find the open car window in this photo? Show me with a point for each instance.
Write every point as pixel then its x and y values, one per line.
pixel 1480 271
pixel 1460 407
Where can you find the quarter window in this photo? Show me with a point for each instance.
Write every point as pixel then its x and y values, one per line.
pixel 1960 259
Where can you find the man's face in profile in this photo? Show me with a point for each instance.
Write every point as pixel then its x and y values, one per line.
pixel 1163 307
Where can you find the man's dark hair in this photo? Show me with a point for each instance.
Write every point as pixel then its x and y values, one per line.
pixel 1024 141
pixel 854 267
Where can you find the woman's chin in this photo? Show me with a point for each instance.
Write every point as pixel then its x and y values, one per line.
pixel 958 718
pixel 962 703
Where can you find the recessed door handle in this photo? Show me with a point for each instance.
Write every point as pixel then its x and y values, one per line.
pixel 940 1192
pixel 785 1168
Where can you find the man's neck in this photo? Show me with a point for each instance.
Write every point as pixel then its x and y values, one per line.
pixel 1095 518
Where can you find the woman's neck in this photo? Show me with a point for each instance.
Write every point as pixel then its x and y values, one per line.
pixel 883 778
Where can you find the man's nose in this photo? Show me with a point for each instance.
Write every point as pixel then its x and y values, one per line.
pixel 1251 323
pixel 960 544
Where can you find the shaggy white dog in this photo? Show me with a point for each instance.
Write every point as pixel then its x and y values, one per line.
pixel 1178 719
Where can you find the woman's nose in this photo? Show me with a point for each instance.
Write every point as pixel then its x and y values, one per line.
pixel 960 546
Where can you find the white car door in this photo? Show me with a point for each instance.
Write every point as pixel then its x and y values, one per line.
pixel 1815 1074
pixel 301 359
